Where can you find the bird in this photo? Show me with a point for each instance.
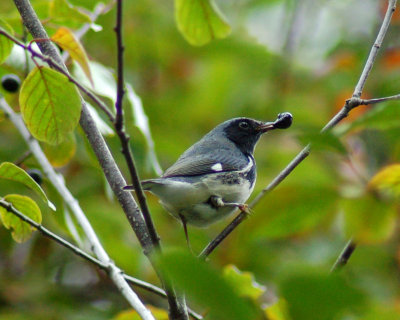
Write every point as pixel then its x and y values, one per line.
pixel 216 175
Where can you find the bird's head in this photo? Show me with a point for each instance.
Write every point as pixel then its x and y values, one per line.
pixel 245 132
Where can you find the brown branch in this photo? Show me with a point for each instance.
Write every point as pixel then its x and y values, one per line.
pixel 124 138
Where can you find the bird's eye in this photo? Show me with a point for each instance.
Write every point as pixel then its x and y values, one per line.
pixel 243 125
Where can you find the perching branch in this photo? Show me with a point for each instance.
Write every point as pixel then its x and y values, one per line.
pixel 51 235
pixel 343 113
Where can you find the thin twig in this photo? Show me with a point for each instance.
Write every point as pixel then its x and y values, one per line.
pixel 22 158
pixel 124 138
pixel 375 48
pixel 47 233
pixel 344 256
pixel 119 117
pixel 365 102
pixel 79 252
pixel 221 236
pixel 349 105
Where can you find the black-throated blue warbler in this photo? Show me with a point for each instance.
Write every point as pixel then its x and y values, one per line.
pixel 214 176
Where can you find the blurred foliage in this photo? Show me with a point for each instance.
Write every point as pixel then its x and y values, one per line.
pixel 276 58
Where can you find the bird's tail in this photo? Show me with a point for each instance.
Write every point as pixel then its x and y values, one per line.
pixel 146 185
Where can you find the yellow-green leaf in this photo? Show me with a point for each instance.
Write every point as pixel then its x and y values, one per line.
pixel 50 105
pixel 5 44
pixel 21 231
pixel 200 21
pixel 387 180
pixel 243 282
pixel 368 219
pixel 59 155
pixel 278 311
pixel 66 39
pixel 10 171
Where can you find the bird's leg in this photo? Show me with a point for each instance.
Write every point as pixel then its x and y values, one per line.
pixel 183 219
pixel 219 203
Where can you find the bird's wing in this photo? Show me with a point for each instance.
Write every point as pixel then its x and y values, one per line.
pixel 201 164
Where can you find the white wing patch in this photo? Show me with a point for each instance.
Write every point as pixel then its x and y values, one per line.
pixel 217 167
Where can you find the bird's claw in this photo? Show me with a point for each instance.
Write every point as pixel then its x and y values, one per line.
pixel 245 208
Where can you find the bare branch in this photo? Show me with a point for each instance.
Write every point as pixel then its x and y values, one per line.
pixel 344 255
pixel 119 119
pixel 124 138
pixel 349 105
pixel 47 233
pixel 375 48
pixel 365 102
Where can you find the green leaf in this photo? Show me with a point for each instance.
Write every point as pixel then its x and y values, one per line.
pixel 368 219
pixel 59 155
pixel 63 13
pixel 320 296
pixel 21 231
pixel 10 171
pixel 50 105
pixel 200 21
pixel 6 45
pixel 293 209
pixel 206 286
pixel 243 282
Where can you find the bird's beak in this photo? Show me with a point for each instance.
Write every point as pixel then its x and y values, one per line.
pixel 267 126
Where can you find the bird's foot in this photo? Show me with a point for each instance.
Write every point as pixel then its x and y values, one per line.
pixel 217 202
pixel 245 208
pixel 184 224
